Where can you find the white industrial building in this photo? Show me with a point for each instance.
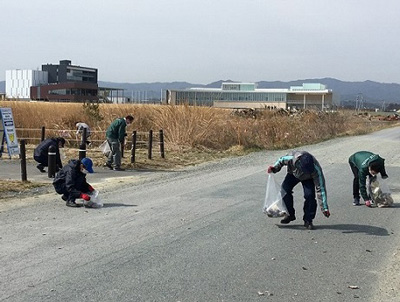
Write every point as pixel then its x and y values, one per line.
pixel 246 95
pixel 19 82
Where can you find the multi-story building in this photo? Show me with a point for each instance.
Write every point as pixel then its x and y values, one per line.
pixel 19 82
pixel 67 83
pixel 246 95
pixel 62 82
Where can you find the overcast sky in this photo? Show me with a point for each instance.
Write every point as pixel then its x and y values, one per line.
pixel 202 41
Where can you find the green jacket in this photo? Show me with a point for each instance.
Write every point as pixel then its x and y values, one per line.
pixel 116 130
pixel 361 160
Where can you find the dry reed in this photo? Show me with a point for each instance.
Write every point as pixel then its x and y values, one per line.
pixel 191 127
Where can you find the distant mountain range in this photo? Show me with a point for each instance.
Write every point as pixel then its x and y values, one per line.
pixel 371 93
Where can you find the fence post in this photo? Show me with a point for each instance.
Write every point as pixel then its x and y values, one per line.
pixel 162 143
pixel 51 172
pixel 150 144
pixel 133 150
pixel 122 147
pixel 43 133
pixel 82 150
pixel 23 161
pixel 84 136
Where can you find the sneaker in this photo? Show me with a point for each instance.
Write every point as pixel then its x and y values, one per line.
pixel 288 219
pixel 118 169
pixel 308 225
pixel 72 204
pixel 356 201
pixel 64 197
pixel 108 165
pixel 41 168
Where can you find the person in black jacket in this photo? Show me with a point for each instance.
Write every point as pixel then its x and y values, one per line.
pixel 71 182
pixel 41 155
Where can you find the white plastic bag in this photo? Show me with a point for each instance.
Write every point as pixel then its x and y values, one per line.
pixel 95 201
pixel 274 205
pixel 105 148
pixel 379 191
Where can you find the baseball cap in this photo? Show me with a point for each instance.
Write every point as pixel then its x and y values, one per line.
pixel 88 164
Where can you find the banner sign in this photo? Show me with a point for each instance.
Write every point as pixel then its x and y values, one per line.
pixel 9 133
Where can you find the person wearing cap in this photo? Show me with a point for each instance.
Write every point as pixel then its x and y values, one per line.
pixel 71 182
pixel 41 152
pixel 302 167
pixel 115 136
pixel 365 164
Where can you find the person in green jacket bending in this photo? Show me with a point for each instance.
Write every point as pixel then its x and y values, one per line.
pixel 115 135
pixel 363 164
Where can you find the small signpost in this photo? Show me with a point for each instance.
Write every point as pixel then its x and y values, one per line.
pixel 8 133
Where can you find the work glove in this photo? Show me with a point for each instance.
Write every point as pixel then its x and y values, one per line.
pixel 84 196
pixel 271 169
pixel 326 213
pixel 91 189
pixel 369 203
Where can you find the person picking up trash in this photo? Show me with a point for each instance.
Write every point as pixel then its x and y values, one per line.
pixel 302 167
pixel 79 131
pixel 41 152
pixel 115 135
pixel 71 182
pixel 365 164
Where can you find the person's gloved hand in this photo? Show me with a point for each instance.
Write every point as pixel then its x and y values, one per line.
pixel 326 213
pixel 84 196
pixel 91 189
pixel 369 203
pixel 270 169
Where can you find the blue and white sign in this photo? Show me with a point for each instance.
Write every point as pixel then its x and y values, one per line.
pixel 9 131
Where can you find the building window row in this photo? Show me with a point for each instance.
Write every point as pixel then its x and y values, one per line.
pixel 74 91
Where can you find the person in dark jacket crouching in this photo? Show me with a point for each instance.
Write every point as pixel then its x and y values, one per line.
pixel 41 152
pixel 71 182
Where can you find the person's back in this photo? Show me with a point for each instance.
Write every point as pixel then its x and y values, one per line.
pixel 43 148
pixel 362 160
pixel 71 175
pixel 363 164
pixel 116 130
pixel 71 182
pixel 80 126
pixel 40 154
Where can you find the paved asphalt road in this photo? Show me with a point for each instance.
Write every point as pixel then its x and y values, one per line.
pixel 200 235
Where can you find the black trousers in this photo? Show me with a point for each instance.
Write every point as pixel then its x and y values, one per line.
pixel 310 203
pixel 356 181
pixel 70 195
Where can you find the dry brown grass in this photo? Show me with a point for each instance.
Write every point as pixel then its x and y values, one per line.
pixel 17 186
pixel 189 128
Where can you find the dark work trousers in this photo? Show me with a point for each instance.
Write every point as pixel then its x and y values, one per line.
pixel 356 181
pixel 310 203
pixel 70 196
